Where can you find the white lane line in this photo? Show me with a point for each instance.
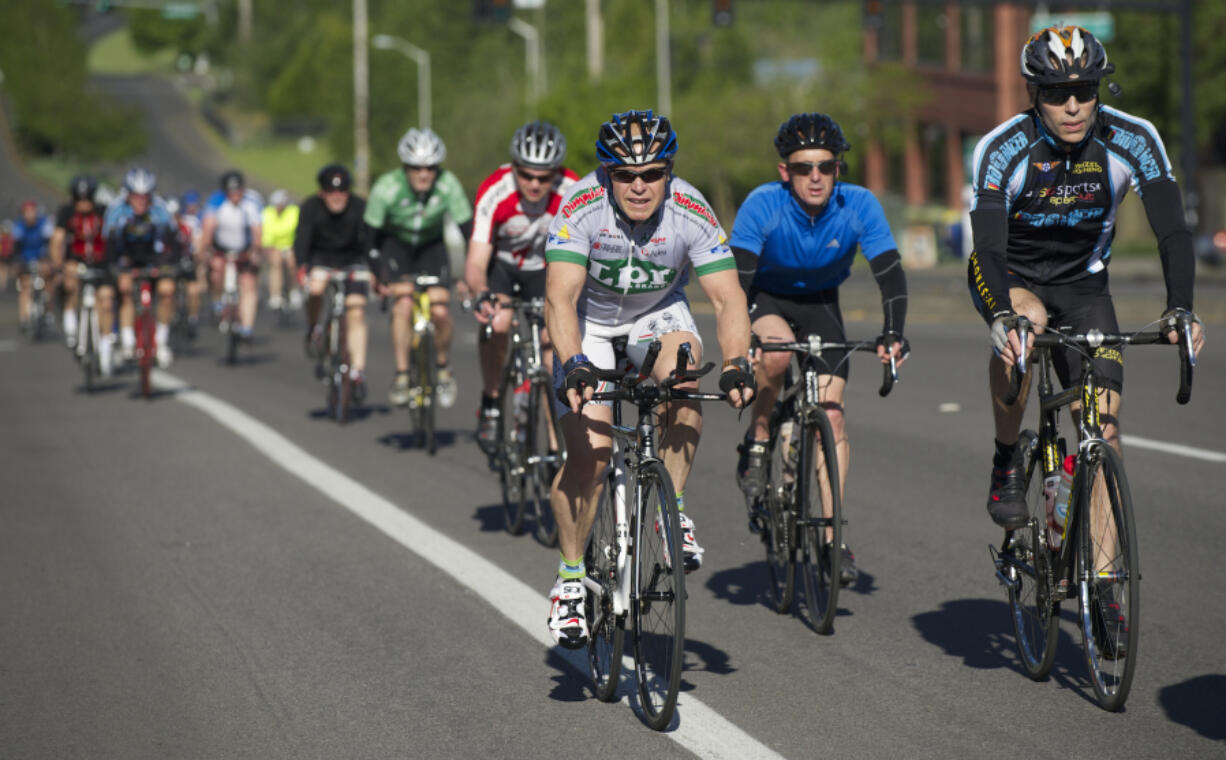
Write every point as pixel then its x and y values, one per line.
pixel 697 728
pixel 1173 448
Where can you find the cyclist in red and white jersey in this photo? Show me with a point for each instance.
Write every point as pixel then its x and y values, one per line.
pixel 514 207
pixel 78 239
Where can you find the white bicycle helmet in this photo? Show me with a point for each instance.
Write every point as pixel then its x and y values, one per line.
pixel 539 145
pixel 139 181
pixel 421 147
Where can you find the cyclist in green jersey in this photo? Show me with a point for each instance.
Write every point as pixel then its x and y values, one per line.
pixel 407 210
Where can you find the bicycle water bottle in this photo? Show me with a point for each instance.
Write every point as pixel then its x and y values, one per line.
pixel 1062 495
pixel 1051 493
pixel 791 451
pixel 520 396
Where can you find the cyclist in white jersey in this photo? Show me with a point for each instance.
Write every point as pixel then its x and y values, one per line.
pixel 232 224
pixel 618 252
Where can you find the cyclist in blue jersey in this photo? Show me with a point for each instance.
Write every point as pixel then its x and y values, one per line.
pixel 140 232
pixel 232 225
pixel 32 232
pixel 794 242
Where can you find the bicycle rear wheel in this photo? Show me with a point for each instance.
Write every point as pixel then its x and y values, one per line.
pixel 511 453
pixel 607 630
pixel 658 601
pixel 427 362
pixel 779 531
pixel 1027 566
pixel 145 350
pixel 543 464
pixel 1108 574
pixel 87 346
pixel 821 559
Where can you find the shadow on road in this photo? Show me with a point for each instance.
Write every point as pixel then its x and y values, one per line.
pixel 747 585
pixel 490 518
pixel 712 660
pixel 569 686
pixel 249 360
pixel 411 441
pixel 1198 703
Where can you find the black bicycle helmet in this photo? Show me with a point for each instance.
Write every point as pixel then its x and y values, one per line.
pixel 539 145
pixel 810 130
pixel 82 187
pixel 334 177
pixel 1064 55
pixel 635 138
pixel 232 180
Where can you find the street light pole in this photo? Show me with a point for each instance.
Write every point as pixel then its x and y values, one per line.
pixel 664 87
pixel 532 62
pixel 595 41
pixel 408 49
pixel 361 99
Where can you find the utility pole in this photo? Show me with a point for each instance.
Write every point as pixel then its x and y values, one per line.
pixel 361 100
pixel 595 41
pixel 664 87
pixel 1188 118
pixel 244 22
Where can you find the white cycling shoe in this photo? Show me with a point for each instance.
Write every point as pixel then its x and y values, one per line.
pixel 567 617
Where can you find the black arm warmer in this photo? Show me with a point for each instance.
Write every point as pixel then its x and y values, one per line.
pixel 1164 207
pixel 988 268
pixel 466 229
pixel 376 238
pixel 746 266
pixel 887 270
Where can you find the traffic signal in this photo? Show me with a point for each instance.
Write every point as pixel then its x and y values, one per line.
pixel 721 12
pixel 873 14
pixel 491 11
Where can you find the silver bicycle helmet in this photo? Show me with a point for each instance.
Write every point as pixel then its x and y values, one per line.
pixel 139 181
pixel 539 145
pixel 421 147
pixel 635 138
pixel 1064 55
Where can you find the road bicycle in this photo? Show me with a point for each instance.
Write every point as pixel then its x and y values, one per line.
pixel 529 449
pixel 37 318
pixel 145 325
pixel 635 569
pixel 229 321
pixel 333 365
pixel 89 333
pixel 791 515
pixel 180 323
pixel 423 364
pixel 1094 558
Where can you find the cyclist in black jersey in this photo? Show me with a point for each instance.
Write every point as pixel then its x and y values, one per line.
pixel 1048 185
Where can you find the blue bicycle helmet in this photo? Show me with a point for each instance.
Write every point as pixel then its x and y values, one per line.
pixel 635 138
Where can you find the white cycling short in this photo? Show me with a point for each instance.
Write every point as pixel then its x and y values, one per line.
pixel 671 316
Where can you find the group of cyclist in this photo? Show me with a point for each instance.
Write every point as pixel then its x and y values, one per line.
pixel 610 254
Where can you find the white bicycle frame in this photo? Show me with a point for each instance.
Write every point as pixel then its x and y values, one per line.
pixel 229 287
pixel 87 315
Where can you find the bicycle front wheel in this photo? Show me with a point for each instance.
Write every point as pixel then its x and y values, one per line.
pixel 87 341
pixel 1108 574
pixel 145 348
pixel 608 630
pixel 1027 567
pixel 429 397
pixel 779 530
pixel 658 601
pixel 821 558
pixel 510 453
pixel 544 463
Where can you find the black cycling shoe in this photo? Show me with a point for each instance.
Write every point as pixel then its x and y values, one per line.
pixel 1109 626
pixel 1007 496
pixel 751 467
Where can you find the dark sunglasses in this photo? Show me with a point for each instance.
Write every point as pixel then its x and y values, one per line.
pixel 805 168
pixel 528 176
pixel 431 168
pixel 626 176
pixel 1058 96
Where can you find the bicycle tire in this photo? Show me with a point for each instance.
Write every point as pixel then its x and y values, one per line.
pixel 820 560
pixel 345 400
pixel 779 531
pixel 1110 645
pixel 429 396
pixel 87 338
pixel 511 471
pixel 658 597
pixel 229 315
pixel 539 483
pixel 607 638
pixel 1028 566
pixel 146 346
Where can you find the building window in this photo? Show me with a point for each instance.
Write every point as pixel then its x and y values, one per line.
pixel 930 23
pixel 936 166
pixel 889 34
pixel 978 33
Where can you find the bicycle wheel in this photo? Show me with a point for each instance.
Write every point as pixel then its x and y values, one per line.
pixel 511 470
pixel 1028 566
pixel 429 398
pixel 607 630
pixel 145 349
pixel 821 559
pixel 87 334
pixel 542 464
pixel 779 531
pixel 658 601
pixel 229 315
pixel 1108 574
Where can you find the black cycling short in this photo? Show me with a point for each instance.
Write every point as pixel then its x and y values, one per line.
pixel 401 262
pixel 810 314
pixel 1080 305
pixel 503 277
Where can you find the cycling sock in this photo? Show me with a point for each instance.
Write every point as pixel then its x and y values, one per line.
pixel 163 332
pixel 70 321
pixel 127 336
pixel 681 500
pixel 570 571
pixel 1004 454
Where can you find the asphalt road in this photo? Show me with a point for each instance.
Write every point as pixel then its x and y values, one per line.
pixel 169 590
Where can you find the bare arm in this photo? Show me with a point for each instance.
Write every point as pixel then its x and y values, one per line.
pixel 475 266
pixel 57 247
pixel 731 320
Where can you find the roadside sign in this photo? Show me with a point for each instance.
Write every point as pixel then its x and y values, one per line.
pixel 1101 24
pixel 180 11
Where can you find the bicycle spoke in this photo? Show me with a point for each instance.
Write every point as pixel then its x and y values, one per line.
pixel 1026 565
pixel 607 638
pixel 779 529
pixel 820 534
pixel 542 465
